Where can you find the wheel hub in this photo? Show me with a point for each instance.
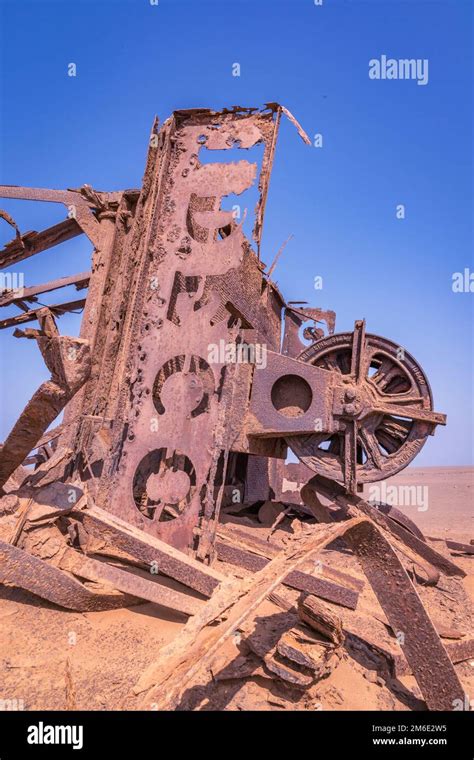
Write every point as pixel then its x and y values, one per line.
pixel 382 409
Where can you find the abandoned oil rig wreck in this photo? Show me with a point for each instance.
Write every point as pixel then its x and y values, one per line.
pixel 159 444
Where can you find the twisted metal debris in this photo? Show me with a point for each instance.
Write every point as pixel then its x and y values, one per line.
pixel 158 439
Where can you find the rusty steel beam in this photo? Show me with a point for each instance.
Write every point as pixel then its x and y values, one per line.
pixel 180 662
pixel 31 243
pixel 460 547
pixel 128 582
pixel 399 600
pixel 161 424
pixel 74 200
pixel 459 651
pixel 32 315
pixel 148 550
pixel 347 501
pixel 268 549
pixel 302 581
pixel 20 192
pixel 80 280
pixel 51 435
pixel 26 571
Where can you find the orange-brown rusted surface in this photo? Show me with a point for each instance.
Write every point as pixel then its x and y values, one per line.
pixel 190 380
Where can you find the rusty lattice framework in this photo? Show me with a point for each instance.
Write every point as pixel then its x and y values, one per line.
pixel 157 437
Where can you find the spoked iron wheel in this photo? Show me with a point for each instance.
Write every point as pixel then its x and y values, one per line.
pixel 384 407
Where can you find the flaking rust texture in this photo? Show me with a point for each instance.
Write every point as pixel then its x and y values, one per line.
pixel 190 380
pixel 189 280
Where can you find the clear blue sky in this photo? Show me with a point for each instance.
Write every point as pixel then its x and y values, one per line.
pixel 384 143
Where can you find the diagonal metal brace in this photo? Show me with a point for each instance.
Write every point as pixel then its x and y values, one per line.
pixel 403 607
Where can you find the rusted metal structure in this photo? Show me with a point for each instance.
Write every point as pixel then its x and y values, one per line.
pixel 169 414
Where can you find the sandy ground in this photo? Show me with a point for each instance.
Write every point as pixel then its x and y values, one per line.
pixel 440 502
pixel 54 659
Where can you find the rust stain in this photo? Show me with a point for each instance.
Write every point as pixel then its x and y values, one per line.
pixel 181 393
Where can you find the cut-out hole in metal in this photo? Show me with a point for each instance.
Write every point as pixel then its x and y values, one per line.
pixel 164 484
pixel 291 395
pixel 196 384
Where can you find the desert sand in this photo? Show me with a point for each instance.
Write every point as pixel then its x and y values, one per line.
pixel 56 659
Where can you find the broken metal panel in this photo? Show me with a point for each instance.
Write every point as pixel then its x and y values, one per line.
pixel 162 423
pixel 257 484
pixel 264 180
pixel 195 283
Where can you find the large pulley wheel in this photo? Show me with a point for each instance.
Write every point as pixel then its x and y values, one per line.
pixel 383 409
